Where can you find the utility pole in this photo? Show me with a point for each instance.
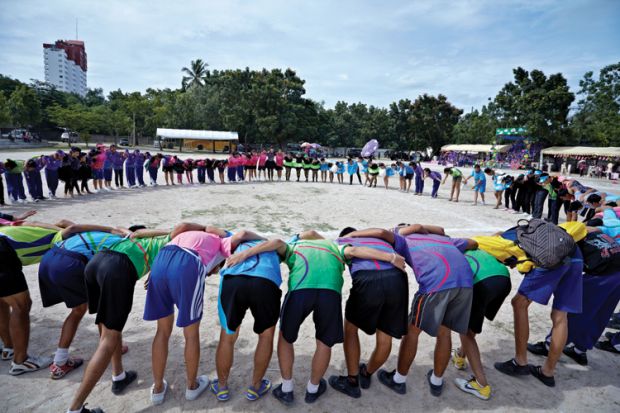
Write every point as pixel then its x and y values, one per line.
pixel 134 129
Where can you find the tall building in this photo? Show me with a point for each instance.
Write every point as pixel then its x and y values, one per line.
pixel 65 65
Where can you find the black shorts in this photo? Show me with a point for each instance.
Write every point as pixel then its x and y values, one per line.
pixel 261 167
pixel 409 177
pixel 379 300
pixel 61 278
pixel 12 279
pixel 250 167
pixel 489 295
pixel 270 164
pixel 240 292
pixel 278 168
pixel 326 308
pixel 449 308
pixel 168 168
pixel 110 280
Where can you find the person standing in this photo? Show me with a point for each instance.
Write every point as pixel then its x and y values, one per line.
pixel 436 178
pixel 52 163
pixel 457 177
pixel 139 160
pixel 14 180
pixel 97 164
pixel 130 168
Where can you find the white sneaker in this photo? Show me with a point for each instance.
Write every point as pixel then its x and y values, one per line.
pixel 29 365
pixel 158 398
pixel 203 384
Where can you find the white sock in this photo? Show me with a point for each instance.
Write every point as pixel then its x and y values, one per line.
pixel 75 411
pixel 436 381
pixel 119 377
pixel 578 351
pixel 312 388
pixel 287 385
pixel 61 356
pixel 399 378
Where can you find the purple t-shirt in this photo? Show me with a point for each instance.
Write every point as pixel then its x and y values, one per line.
pixel 52 164
pixel 435 176
pixel 116 158
pixel 438 262
pixel 131 159
pixel 400 247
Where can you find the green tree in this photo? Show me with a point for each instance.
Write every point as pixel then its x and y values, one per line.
pixel 476 126
pixel 195 74
pixel 5 113
pixel 24 106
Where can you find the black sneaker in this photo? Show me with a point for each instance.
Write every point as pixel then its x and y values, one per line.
pixel 435 390
pixel 364 377
pixel 343 385
pixel 119 386
pixel 388 379
pixel 95 410
pixel 536 371
pixel 581 359
pixel 540 348
pixel 286 398
pixel 511 368
pixel 606 346
pixel 614 322
pixel 312 397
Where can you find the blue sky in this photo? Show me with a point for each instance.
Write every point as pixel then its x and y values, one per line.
pixel 375 52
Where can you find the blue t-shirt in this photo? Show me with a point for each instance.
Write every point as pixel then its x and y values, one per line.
pixel 357 264
pixel 389 171
pixel 324 167
pixel 340 169
pixel 438 262
pixel 89 243
pixel 265 265
pixel 352 168
pixel 479 178
pixel 409 170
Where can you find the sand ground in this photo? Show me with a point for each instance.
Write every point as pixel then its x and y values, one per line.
pixel 282 209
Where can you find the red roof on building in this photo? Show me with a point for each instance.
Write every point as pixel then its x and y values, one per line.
pixel 74 49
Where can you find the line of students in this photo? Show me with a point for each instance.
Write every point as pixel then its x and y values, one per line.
pixel 461 282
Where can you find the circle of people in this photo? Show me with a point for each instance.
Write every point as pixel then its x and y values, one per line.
pixel 461 281
pixel 525 193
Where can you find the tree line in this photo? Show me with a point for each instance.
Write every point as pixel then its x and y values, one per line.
pixel 270 107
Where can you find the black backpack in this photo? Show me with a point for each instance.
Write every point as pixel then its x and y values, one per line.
pixel 546 244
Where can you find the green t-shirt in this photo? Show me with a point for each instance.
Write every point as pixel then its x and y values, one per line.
pixel 315 264
pixel 30 243
pixel 141 251
pixel 456 173
pixel 484 265
pixel 19 167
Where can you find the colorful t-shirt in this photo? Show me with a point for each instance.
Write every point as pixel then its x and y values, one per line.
pixel 30 243
pixel 438 262
pixel 211 249
pixel 89 243
pixel 484 265
pixel 357 264
pixel 265 265
pixel 141 251
pixel 456 173
pixel 315 264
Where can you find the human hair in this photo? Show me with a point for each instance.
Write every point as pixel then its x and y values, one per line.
pixel 488 170
pixel 447 170
pixel 135 228
pixel 345 231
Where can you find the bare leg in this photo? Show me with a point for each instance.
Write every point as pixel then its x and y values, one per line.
pixel 109 343
pixel 224 356
pixel 408 349
pixel 286 357
pixel 159 351
pixel 351 348
pixel 559 335
pixel 443 347
pixel 381 352
pixel 471 350
pixel 520 305
pixel 320 362
pixel 5 316
pixel 19 324
pixel 192 353
pixel 71 324
pixel 262 355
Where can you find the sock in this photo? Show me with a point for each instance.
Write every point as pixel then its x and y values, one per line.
pixel 312 388
pixel 399 378
pixel 436 381
pixel 578 351
pixel 120 377
pixel 75 411
pixel 287 385
pixel 61 356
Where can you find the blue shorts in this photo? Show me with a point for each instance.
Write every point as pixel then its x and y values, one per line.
pixel 61 278
pixel 97 173
pixel 107 174
pixel 480 188
pixel 565 283
pixel 177 278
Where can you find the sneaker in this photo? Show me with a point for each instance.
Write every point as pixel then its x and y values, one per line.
pixel 511 368
pixel 203 384
pixel 7 354
pixel 472 386
pixel 460 363
pixel 435 389
pixel 540 348
pixel 343 385
pixel 286 398
pixel 312 397
pixel 580 358
pixel 614 322
pixel 86 410
pixel 221 393
pixel 364 378
pixel 29 365
pixel 58 372
pixel 536 371
pixel 606 346
pixel 119 386
pixel 388 379
pixel 158 398
pixel 253 394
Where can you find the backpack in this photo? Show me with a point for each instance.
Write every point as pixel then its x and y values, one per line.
pixel 546 244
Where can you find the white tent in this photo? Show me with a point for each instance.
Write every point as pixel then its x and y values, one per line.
pixel 474 148
pixel 208 135
pixel 610 151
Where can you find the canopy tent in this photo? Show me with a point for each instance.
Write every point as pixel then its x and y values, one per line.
pixel 197 139
pixel 476 148
pixel 567 151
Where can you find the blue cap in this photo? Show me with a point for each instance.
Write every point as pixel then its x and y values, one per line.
pixel 538 173
pixel 543 179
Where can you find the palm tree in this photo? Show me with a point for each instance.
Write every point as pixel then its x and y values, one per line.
pixel 195 74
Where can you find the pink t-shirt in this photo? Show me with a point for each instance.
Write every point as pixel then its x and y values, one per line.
pixel 262 159
pixel 279 160
pixel 99 160
pixel 254 160
pixel 211 249
pixel 232 162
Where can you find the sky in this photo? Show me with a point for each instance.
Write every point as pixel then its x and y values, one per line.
pixel 375 52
